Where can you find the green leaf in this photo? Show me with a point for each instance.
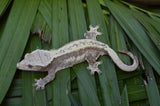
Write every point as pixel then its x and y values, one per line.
pixel 3 6
pixel 136 89
pixel 150 25
pixel 151 87
pixel 14 39
pixel 13 102
pixel 124 27
pixel 16 89
pixel 45 10
pixel 30 96
pixel 118 41
pixel 60 37
pixel 140 103
pixel 86 82
pixel 136 33
pixel 117 38
pixel 108 79
pixel 124 97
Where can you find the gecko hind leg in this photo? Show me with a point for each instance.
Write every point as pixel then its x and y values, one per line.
pixel 93 65
pixel 40 84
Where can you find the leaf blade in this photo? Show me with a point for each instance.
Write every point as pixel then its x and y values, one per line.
pixel 3 6
pixel 59 38
pixel 136 33
pixel 11 52
pixel 108 79
pixel 86 82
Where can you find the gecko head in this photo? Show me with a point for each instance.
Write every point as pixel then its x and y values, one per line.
pixel 35 60
pixel 27 64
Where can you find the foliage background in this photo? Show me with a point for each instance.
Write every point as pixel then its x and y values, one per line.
pixel 125 26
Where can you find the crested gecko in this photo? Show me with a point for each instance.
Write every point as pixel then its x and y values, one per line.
pixel 75 52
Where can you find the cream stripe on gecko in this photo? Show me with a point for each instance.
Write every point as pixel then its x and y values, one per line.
pixel 75 52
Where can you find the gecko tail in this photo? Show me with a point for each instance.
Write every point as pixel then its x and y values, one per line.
pixel 120 64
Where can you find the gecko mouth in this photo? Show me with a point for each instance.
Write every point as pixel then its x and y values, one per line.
pixel 18 66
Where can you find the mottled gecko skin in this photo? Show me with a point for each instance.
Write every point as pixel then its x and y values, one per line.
pixel 70 54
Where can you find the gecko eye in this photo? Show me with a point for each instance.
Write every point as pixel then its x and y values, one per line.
pixel 30 66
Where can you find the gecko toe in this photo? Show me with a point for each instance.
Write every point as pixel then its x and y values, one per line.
pixel 34 84
pixel 37 88
pixel 92 72
pixel 99 72
pixel 99 62
pixel 43 87
pixel 88 68
pixel 35 80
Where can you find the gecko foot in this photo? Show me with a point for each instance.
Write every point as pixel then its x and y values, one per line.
pixel 40 84
pixel 94 67
pixel 96 70
pixel 92 33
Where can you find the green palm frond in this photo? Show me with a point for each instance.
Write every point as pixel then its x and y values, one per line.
pixel 124 26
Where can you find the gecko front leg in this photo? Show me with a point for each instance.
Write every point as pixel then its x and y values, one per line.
pixel 92 33
pixel 93 65
pixel 40 84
